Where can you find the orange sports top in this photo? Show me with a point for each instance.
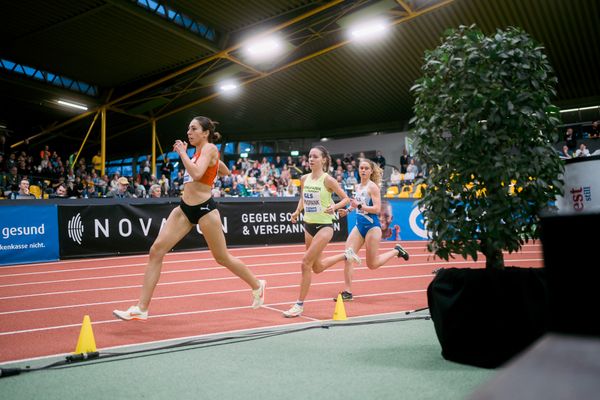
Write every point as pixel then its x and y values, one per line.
pixel 209 175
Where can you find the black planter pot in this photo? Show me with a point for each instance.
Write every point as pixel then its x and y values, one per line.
pixel 484 317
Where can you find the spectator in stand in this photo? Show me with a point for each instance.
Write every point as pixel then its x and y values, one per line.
pixel 404 159
pixel 285 177
pixel 23 192
pixel 226 182
pixel 155 192
pixel 290 191
pixel 566 153
pixel 338 164
pixel 379 160
pixel 179 178
pixel 78 186
pixel 235 170
pixel 121 190
pixel 45 153
pixel 59 193
pixel 233 190
pixel 12 179
pixel 279 163
pixel 175 190
pixel 97 162
pixel 139 189
pixel 12 161
pixel 254 171
pixel 71 176
pixel 114 182
pixel 164 183
pixel 90 191
pixel 81 169
pixel 98 183
pixel 570 139
pixel 167 168
pixel 595 130
pixel 348 158
pixel 412 171
pixel 350 180
pixel 350 172
pixel 582 151
pixel 395 177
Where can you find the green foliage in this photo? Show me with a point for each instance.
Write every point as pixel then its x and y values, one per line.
pixel 483 120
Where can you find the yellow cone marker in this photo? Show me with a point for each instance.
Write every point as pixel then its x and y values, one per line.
pixel 86 342
pixel 340 312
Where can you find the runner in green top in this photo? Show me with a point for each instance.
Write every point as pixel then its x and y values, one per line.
pixel 319 208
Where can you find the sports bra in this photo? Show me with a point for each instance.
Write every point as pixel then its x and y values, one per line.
pixel 209 175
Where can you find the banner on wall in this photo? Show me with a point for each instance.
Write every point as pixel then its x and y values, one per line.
pixel 86 230
pixel 582 184
pixel 399 219
pixel 28 234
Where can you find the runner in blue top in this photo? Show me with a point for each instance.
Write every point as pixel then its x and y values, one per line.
pixel 367 203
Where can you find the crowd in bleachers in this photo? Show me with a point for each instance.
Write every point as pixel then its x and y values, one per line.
pixel 577 143
pixel 28 174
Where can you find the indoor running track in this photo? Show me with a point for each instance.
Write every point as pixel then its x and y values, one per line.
pixel 42 305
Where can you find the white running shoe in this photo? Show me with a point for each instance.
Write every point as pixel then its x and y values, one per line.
pixel 352 256
pixel 132 313
pixel 259 295
pixel 295 311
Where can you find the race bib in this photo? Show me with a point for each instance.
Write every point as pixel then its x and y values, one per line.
pixel 312 202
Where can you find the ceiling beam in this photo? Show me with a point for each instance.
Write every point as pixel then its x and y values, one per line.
pixel 162 23
pixel 405 6
pixel 305 58
pixel 191 67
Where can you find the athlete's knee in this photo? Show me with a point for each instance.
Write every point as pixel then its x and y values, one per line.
pixel 371 264
pixel 307 264
pixel 317 268
pixel 223 259
pixel 158 250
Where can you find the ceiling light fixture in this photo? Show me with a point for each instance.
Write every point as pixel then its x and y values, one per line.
pixel 73 105
pixel 580 109
pixel 369 30
pixel 228 87
pixel 264 48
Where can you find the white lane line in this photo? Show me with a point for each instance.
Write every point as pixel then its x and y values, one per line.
pixel 416 245
pixel 200 260
pixel 430 264
pixel 90 278
pixel 166 262
pixel 328 299
pixel 154 299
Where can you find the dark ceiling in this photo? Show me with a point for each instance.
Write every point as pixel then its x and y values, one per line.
pixel 146 67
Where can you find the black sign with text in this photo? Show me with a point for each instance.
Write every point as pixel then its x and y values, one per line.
pixel 130 228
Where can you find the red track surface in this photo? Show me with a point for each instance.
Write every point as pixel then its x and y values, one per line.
pixel 42 305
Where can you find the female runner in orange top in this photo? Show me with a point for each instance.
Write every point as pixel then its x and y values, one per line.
pixel 197 207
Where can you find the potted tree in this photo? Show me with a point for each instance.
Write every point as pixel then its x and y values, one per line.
pixel 483 126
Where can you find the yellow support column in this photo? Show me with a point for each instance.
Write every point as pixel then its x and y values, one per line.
pixel 103 140
pixel 154 147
